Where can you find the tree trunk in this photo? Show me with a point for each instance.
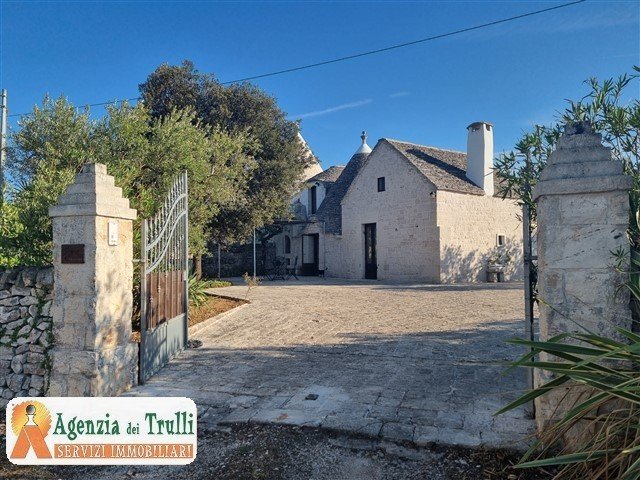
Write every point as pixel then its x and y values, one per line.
pixel 198 266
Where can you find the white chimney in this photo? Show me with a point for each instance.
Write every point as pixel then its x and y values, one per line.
pixel 480 155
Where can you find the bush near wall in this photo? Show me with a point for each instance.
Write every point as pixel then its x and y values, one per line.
pixel 238 259
pixel 25 331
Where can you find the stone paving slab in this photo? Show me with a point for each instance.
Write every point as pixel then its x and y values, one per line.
pixel 414 363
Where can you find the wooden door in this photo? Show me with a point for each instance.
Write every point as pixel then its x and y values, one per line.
pixel 310 254
pixel 370 257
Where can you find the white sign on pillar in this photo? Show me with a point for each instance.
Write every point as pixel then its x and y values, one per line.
pixel 113 232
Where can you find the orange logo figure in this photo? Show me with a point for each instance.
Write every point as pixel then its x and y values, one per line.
pixel 31 422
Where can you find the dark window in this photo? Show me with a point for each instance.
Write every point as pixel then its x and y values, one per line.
pixel 314 199
pixel 381 184
pixel 501 240
pixel 287 244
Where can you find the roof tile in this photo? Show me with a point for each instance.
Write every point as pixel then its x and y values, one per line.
pixel 446 169
pixel 331 174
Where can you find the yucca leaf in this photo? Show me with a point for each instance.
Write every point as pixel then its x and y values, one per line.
pixel 532 394
pixel 631 450
pixel 633 472
pixel 551 347
pixel 630 335
pixel 567 459
pixel 599 340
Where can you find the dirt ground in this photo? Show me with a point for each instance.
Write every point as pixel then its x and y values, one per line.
pixel 279 452
pixel 210 308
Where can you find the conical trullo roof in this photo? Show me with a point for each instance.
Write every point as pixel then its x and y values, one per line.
pixel 330 210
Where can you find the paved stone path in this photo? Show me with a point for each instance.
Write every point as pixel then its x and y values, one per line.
pixel 420 363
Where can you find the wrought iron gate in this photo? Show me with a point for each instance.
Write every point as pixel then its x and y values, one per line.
pixel 164 281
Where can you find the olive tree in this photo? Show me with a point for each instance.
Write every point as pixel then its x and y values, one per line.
pixel 144 154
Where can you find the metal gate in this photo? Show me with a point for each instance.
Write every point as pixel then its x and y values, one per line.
pixel 164 281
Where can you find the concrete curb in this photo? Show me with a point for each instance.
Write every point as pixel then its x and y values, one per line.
pixel 198 327
pixel 229 297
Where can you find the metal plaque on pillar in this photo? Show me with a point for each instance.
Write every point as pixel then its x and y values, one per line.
pixel 72 254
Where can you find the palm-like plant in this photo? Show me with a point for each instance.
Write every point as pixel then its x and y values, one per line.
pixel 603 375
pixel 198 290
pixel 600 375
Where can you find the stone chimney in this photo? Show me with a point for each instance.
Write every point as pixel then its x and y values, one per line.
pixel 480 155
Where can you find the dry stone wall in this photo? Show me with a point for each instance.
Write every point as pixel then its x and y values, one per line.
pixel 25 332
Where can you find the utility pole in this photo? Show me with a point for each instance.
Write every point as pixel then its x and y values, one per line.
pixel 218 260
pixel 3 144
pixel 254 253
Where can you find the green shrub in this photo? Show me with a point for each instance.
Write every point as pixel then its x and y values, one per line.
pixel 10 228
pixel 607 373
pixel 197 291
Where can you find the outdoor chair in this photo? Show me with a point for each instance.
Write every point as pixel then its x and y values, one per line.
pixel 277 271
pixel 291 270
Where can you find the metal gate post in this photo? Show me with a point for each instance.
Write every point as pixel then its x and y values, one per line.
pixel 186 259
pixel 143 301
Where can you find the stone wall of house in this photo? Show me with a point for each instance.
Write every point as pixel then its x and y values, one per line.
pixel 25 332
pixel 294 232
pixel 304 196
pixel 405 218
pixel 469 226
pixel 332 256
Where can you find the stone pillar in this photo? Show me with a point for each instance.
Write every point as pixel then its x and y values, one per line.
pixel 583 216
pixel 93 352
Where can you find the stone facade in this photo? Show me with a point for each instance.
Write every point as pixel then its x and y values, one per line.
pixel 432 222
pixel 405 216
pixel 94 354
pixel 583 216
pixel 25 332
pixel 424 234
pixel 469 226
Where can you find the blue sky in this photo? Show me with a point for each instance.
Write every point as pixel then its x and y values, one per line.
pixel 513 75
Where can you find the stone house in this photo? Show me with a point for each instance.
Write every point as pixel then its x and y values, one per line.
pixel 406 212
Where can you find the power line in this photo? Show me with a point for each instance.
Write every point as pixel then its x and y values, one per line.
pixel 364 54
pixel 402 45
pixel 89 105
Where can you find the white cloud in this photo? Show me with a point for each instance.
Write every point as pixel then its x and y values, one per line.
pixel 399 94
pixel 337 108
pixel 574 19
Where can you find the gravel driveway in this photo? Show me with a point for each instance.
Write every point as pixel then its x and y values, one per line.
pixel 416 363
